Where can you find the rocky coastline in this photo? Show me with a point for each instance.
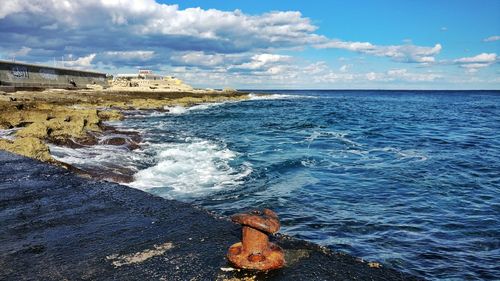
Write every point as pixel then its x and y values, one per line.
pixel 55 225
pixel 74 118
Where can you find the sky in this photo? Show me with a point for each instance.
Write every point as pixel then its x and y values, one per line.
pixel 385 44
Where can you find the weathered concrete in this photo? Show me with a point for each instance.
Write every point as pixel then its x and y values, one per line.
pixel 57 226
pixel 17 76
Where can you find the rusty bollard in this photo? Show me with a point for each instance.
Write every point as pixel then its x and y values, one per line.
pixel 255 251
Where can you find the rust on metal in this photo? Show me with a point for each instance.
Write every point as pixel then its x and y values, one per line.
pixel 255 251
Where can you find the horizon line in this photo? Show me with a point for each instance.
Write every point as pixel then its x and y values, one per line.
pixel 366 89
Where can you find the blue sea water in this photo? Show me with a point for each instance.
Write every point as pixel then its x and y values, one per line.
pixel 407 178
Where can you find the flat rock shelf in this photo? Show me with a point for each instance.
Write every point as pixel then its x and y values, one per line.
pixel 55 225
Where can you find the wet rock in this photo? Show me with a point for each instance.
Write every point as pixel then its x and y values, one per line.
pixel 73 228
pixel 35 249
pixel 87 140
pixel 27 146
pixel 5 125
pixel 133 136
pixel 34 130
pixel 115 141
pixel 120 141
pixel 110 115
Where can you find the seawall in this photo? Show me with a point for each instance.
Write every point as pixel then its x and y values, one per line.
pixel 23 76
pixel 55 225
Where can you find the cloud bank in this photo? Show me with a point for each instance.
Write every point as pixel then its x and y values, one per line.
pixel 110 34
pixel 473 64
pixel 401 53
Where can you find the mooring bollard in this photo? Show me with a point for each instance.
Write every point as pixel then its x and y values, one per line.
pixel 255 251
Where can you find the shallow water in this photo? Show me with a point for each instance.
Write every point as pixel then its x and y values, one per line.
pixel 410 179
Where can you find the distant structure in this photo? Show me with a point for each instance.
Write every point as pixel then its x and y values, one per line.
pixel 147 80
pixel 24 76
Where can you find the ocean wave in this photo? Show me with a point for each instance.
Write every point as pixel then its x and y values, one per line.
pixel 96 156
pixel 254 96
pixel 194 167
pixel 406 153
pixel 175 110
pixel 8 133
pixel 375 157
pixel 340 136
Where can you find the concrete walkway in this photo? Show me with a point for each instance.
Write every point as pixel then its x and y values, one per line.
pixel 55 225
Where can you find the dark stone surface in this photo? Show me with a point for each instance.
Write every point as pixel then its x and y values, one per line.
pixel 55 225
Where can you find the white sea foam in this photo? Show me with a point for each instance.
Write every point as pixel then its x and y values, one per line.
pixel 8 133
pixel 173 110
pixel 312 138
pixel 343 137
pixel 104 156
pixel 194 167
pixel 177 110
pixel 374 154
pixel 270 97
pixel 254 96
pixel 205 106
pixel 405 154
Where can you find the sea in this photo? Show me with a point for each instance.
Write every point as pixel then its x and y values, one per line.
pixel 410 179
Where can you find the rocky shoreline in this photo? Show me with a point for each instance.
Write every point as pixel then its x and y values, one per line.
pixel 75 117
pixel 55 225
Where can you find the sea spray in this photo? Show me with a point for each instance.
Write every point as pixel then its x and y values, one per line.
pixel 192 167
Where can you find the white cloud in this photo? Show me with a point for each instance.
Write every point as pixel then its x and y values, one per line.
pixel 81 62
pixel 202 44
pixel 401 75
pixel 240 64
pixel 317 68
pixel 344 67
pixel 402 53
pixel 53 26
pixel 282 72
pixel 261 61
pixel 21 52
pixel 492 38
pixel 113 25
pixel 11 7
pixel 131 55
pixel 404 74
pixel 481 58
pixel 474 67
pixel 225 31
pixel 473 64
pixel 371 76
pixel 202 59
pixel 274 70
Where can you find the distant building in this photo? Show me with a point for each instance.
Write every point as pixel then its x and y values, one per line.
pixel 17 76
pixel 146 79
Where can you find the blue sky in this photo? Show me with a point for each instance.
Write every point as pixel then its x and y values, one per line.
pixel 266 44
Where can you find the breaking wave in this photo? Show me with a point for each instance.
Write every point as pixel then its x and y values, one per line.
pixel 195 167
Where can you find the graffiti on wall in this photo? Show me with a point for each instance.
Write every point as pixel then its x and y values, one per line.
pixel 49 74
pixel 20 72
